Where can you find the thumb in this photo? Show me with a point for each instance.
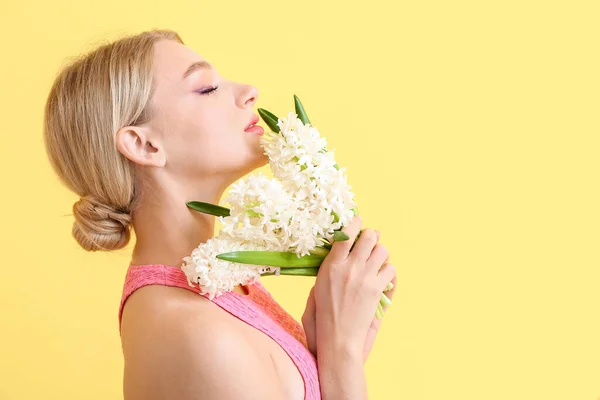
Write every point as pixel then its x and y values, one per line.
pixel 310 302
pixel 309 314
pixel 309 322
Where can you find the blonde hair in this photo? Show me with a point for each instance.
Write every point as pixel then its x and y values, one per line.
pixel 90 100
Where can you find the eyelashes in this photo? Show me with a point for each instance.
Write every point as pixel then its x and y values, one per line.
pixel 208 91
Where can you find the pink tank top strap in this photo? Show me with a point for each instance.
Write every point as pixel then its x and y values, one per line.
pixel 152 274
pixel 258 309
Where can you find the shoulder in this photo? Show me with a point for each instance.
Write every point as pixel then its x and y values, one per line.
pixel 180 345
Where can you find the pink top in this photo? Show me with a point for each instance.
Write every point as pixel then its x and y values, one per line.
pixel 258 309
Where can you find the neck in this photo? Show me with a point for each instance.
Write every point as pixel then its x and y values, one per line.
pixel 166 230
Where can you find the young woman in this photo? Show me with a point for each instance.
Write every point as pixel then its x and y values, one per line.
pixel 140 126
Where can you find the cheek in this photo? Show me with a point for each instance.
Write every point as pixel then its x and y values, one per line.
pixel 204 142
pixel 209 135
pixel 208 122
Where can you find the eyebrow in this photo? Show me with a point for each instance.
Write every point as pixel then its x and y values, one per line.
pixel 196 66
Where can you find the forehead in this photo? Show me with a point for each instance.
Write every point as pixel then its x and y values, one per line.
pixel 171 59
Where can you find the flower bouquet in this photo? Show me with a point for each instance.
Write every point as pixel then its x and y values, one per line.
pixel 280 226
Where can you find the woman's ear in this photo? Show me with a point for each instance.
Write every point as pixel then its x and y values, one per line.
pixel 134 142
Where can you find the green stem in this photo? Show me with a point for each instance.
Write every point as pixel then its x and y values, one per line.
pixel 272 258
pixel 309 271
pixel 378 313
pixel 385 301
pixel 320 251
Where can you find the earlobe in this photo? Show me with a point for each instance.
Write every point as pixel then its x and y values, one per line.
pixel 135 143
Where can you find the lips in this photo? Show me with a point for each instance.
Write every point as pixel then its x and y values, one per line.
pixel 253 128
pixel 253 122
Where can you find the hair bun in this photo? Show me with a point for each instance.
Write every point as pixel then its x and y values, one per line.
pixel 99 226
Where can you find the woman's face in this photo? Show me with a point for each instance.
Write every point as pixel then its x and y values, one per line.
pixel 202 116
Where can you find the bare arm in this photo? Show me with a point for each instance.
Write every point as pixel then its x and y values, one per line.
pixel 180 356
pixel 341 372
pixel 346 295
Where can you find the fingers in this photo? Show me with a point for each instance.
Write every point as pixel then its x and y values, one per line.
pixel 379 256
pixel 340 250
pixel 364 246
pixel 387 274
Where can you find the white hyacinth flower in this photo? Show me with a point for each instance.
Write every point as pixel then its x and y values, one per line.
pixel 215 276
pixel 260 210
pixel 299 159
pixel 307 201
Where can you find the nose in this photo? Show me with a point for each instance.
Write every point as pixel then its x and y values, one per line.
pixel 249 97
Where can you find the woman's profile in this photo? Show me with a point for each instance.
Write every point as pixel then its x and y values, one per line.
pixel 138 127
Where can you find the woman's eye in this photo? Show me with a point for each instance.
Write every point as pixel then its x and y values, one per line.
pixel 208 90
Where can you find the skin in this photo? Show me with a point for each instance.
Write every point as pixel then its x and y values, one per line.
pixel 193 149
pixel 177 344
pixel 309 317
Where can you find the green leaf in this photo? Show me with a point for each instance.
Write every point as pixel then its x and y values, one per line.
pixel 208 208
pixel 270 119
pixel 268 114
pixel 340 236
pixel 253 213
pixel 272 258
pixel 336 217
pixel 300 111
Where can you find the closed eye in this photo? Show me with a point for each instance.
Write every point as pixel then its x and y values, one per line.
pixel 208 90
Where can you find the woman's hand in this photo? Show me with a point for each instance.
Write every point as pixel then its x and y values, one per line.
pixel 375 325
pixel 309 322
pixel 310 325
pixel 309 316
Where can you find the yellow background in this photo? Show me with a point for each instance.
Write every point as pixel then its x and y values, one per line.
pixel 470 130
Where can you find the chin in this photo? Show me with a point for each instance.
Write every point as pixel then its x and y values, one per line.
pixel 252 164
pixel 259 162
